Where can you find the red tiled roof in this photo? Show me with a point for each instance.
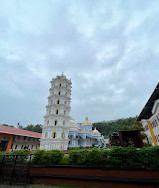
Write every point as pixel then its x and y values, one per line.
pixel 14 131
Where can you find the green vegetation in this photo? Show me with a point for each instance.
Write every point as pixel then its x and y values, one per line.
pixel 35 128
pixel 50 157
pixel 108 127
pixel 147 157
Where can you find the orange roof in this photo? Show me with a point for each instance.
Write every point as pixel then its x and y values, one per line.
pixel 14 131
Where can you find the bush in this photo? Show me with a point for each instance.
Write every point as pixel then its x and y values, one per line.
pixel 65 160
pixel 123 156
pixel 79 156
pixel 22 158
pixel 37 157
pixel 98 157
pixel 1 156
pixel 50 157
pixel 149 157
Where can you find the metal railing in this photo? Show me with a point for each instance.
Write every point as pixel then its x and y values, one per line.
pixel 14 169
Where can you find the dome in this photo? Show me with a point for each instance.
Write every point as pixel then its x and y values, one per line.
pixel 72 123
pixel 86 122
pixel 96 132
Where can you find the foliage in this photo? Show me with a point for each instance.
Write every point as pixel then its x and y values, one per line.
pixel 1 156
pixel 22 158
pixel 79 156
pixel 125 127
pixel 37 158
pixel 65 160
pixel 35 128
pixel 147 157
pixel 50 157
pixel 108 127
pixel 7 125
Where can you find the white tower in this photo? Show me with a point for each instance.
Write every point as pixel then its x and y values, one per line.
pixel 56 128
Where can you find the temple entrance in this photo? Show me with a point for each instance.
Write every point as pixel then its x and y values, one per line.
pixel 4 143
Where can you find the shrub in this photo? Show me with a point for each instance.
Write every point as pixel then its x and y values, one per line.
pixel 80 156
pixel 98 157
pixel 1 156
pixel 123 156
pixel 51 157
pixel 149 157
pixel 65 160
pixel 37 157
pixel 21 158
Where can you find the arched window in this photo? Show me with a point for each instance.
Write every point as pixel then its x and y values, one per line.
pixel 59 93
pixel 56 121
pixel 46 134
pixel 64 122
pixel 49 111
pixel 64 112
pixel 66 86
pixel 66 94
pixel 57 111
pixel 47 122
pixel 54 134
pixel 60 84
pixel 58 101
pixel 65 102
pixel 63 135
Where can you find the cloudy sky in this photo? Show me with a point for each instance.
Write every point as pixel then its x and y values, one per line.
pixel 109 49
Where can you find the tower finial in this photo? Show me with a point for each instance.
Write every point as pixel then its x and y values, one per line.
pixel 86 118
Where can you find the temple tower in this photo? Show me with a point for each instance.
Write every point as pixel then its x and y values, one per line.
pixel 56 128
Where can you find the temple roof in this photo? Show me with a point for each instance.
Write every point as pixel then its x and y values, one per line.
pixel 146 112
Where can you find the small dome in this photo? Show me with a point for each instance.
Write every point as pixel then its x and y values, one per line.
pixel 87 122
pixel 96 132
pixel 72 123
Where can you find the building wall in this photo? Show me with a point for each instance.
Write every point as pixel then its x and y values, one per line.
pixel 10 140
pixel 19 142
pixel 151 126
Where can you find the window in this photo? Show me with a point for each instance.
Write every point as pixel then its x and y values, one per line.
pixel 65 102
pixel 66 86
pixel 58 101
pixel 63 135
pixel 11 146
pixel 51 101
pixel 57 111
pixel 54 134
pixel 46 134
pixel 24 137
pixel 15 146
pixel 22 147
pixel 18 137
pixel 64 122
pixel 59 93
pixel 64 112
pixel 49 111
pixel 32 147
pixel 66 94
pixel 56 121
pixel 60 84
pixel 47 122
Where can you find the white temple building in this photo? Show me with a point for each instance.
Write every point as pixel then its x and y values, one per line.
pixel 60 130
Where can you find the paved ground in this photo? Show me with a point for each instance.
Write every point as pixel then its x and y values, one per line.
pixel 29 186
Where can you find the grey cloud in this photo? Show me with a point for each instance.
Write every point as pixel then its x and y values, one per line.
pixel 108 49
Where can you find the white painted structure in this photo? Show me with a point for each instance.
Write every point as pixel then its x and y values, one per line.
pixel 154 123
pixel 56 128
pixel 149 117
